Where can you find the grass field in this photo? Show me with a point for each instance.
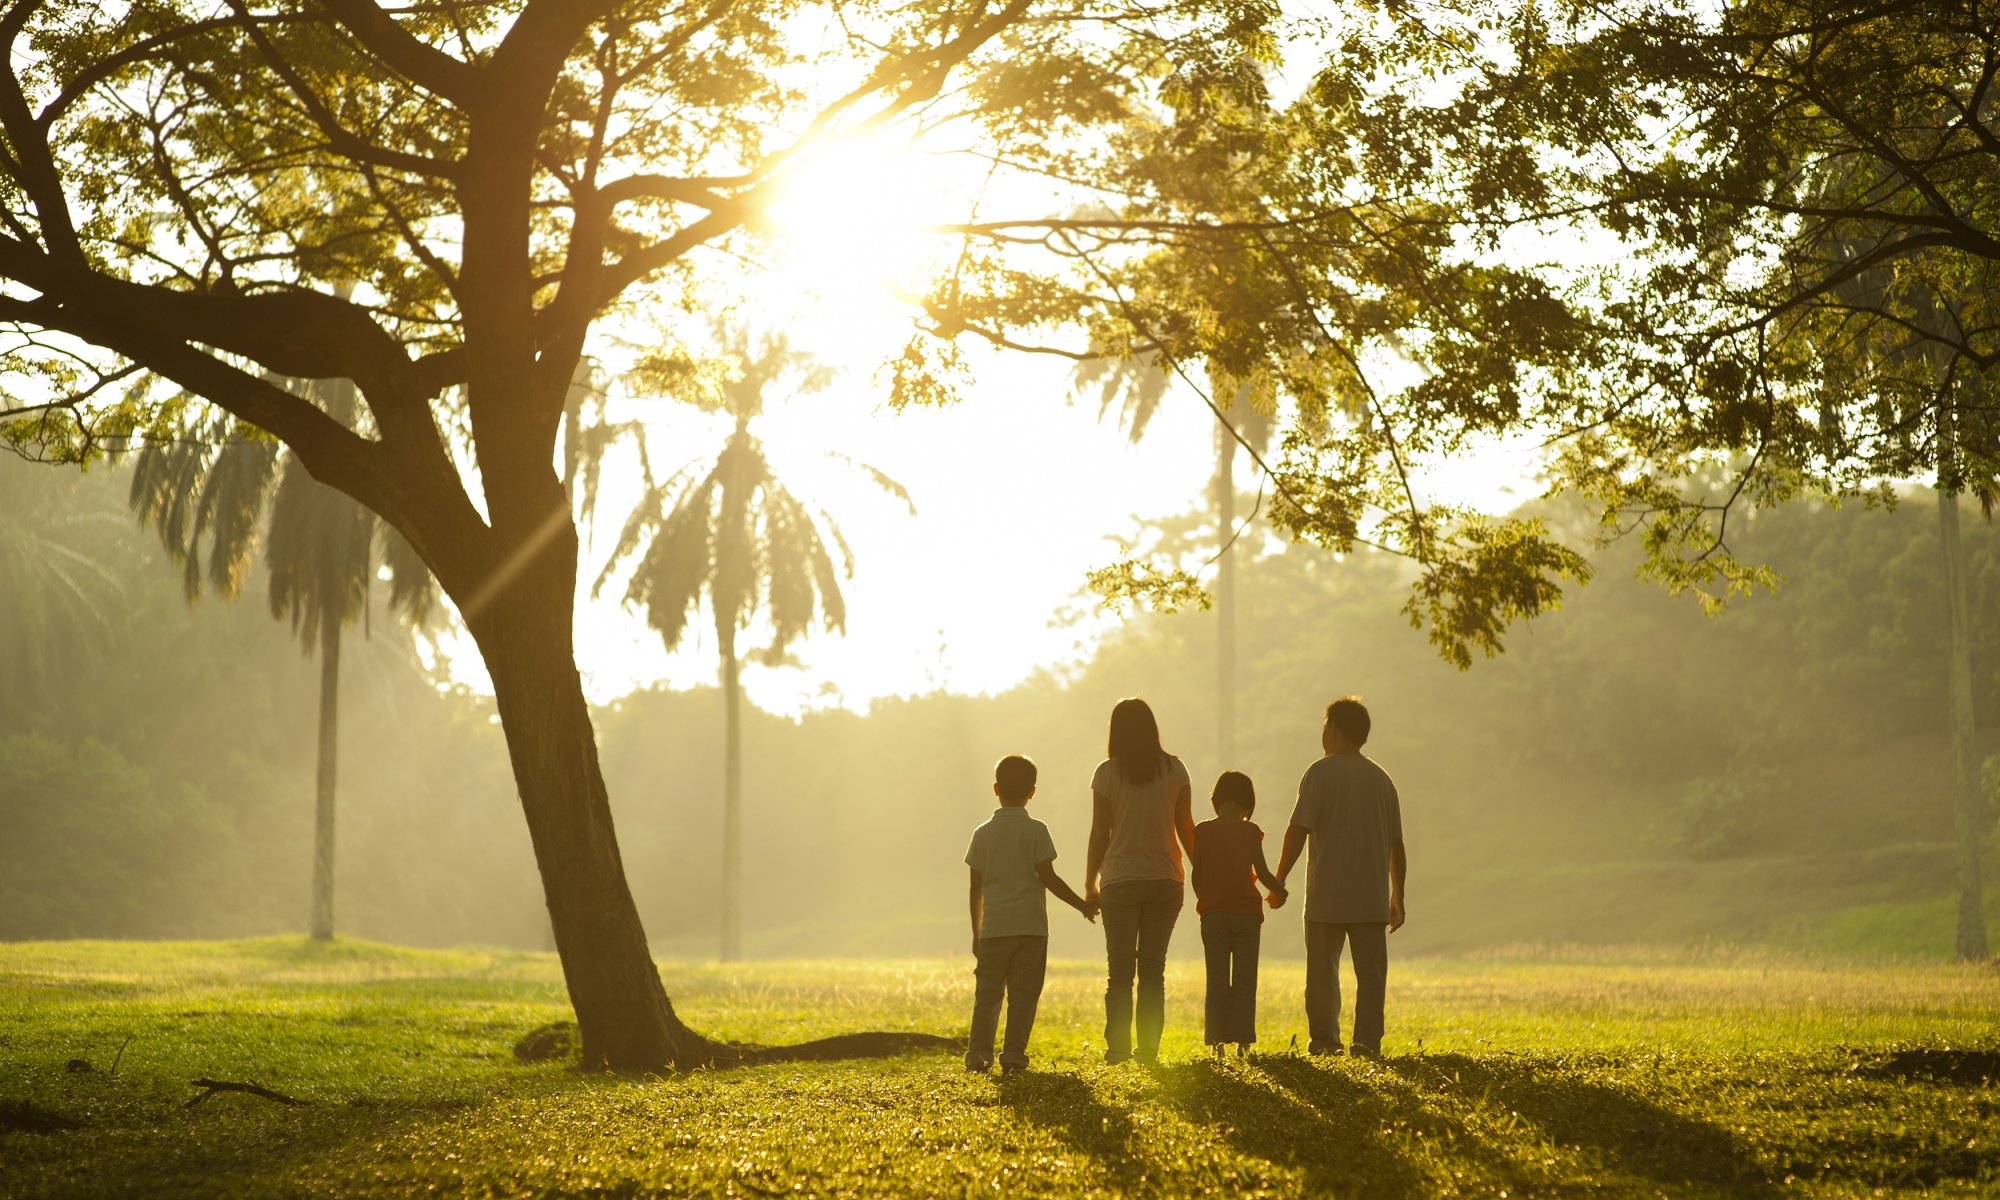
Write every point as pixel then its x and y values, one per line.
pixel 1565 1075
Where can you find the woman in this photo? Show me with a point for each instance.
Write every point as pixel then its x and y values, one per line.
pixel 1141 817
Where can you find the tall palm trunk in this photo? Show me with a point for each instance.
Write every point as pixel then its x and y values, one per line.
pixel 329 756
pixel 1965 770
pixel 732 802
pixel 1225 599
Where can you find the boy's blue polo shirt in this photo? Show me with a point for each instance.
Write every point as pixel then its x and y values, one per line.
pixel 1005 851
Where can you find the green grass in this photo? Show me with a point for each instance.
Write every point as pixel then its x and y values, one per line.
pixel 1567 1074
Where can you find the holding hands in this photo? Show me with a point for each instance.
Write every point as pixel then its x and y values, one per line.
pixel 1275 897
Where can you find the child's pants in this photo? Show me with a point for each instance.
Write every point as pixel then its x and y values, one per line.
pixel 1013 967
pixel 1371 979
pixel 1230 941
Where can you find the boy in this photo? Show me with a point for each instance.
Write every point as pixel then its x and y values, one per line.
pixel 1228 862
pixel 1349 809
pixel 1013 862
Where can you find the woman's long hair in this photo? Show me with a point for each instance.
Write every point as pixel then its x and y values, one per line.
pixel 1134 743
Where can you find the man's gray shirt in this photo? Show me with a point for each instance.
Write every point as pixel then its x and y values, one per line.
pixel 1349 805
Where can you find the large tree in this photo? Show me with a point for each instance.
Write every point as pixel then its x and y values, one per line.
pixel 1774 221
pixel 184 189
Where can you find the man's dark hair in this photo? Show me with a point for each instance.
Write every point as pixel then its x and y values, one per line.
pixel 1233 787
pixel 1015 777
pixel 1350 717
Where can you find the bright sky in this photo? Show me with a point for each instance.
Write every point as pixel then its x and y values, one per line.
pixel 1020 490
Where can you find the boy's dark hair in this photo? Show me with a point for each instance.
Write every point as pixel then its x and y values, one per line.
pixel 1015 777
pixel 1350 716
pixel 1233 787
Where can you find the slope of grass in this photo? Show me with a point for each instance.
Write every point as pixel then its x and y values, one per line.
pixel 1568 1073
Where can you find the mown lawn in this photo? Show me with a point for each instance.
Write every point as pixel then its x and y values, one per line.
pixel 1580 1076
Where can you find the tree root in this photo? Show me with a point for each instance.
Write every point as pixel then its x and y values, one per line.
pixel 226 1085
pixel 693 1052
pixel 875 1044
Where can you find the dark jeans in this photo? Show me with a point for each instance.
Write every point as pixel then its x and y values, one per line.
pixel 1371 981
pixel 1013 967
pixel 1230 942
pixel 1139 919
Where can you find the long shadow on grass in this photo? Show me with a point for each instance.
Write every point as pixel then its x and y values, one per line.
pixel 1067 1107
pixel 1331 1129
pixel 1628 1132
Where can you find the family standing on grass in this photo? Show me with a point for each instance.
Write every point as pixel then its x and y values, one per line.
pixel 1141 821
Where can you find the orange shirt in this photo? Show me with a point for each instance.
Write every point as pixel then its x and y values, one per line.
pixel 1225 875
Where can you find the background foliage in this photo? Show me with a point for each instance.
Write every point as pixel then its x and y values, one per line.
pixel 1630 771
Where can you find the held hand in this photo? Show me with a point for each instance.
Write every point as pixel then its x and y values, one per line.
pixel 1091 907
pixel 1395 913
pixel 1276 897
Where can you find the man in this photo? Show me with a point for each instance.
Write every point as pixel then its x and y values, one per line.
pixel 1349 811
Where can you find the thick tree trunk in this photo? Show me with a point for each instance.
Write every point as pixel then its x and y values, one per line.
pixel 732 803
pixel 327 775
pixel 622 1012
pixel 1966 804
pixel 1225 599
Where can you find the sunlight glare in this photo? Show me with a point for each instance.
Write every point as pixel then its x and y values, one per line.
pixel 855 214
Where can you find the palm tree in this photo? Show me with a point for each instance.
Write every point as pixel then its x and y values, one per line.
pixel 732 531
pixel 1136 389
pixel 57 582
pixel 320 551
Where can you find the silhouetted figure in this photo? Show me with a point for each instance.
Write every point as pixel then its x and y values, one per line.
pixel 1349 810
pixel 1141 818
pixel 1228 860
pixel 1012 858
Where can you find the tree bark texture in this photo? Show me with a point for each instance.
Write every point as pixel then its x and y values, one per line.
pixel 1966 801
pixel 327 775
pixel 524 634
pixel 732 803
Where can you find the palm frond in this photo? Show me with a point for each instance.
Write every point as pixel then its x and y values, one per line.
pixel 1133 386
pixel 790 593
pixel 230 501
pixel 215 485
pixel 677 565
pixel 879 478
pixel 319 554
pixel 412 588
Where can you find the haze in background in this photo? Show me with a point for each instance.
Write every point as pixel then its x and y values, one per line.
pixel 1630 772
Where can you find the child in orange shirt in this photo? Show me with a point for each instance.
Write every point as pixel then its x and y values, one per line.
pixel 1228 863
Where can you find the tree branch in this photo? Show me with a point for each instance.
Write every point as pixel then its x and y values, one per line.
pixel 409 56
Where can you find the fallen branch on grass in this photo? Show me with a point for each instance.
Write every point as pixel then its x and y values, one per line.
pixel 227 1085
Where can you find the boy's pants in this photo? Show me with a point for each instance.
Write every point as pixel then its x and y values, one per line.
pixel 1371 982
pixel 1230 942
pixel 1013 967
pixel 1139 917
